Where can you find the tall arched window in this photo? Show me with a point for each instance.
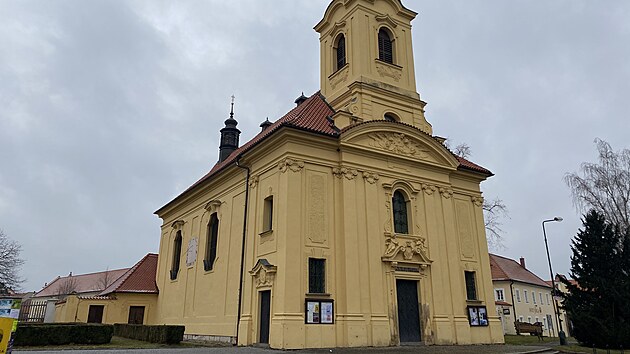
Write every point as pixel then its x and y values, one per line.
pixel 211 243
pixel 340 51
pixel 385 46
pixel 399 206
pixel 177 255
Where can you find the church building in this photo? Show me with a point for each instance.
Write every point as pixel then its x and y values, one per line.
pixel 344 223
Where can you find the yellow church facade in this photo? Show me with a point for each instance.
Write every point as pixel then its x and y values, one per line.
pixel 344 223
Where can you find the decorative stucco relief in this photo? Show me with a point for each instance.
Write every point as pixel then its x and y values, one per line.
pixel 413 249
pixel 477 201
pixel 399 144
pixel 349 173
pixel 388 216
pixel 388 71
pixel 213 206
pixel 253 181
pixel 447 193
pixel 370 177
pixel 177 225
pixel 339 77
pixel 264 273
pixel 317 224
pixel 429 189
pixel 290 164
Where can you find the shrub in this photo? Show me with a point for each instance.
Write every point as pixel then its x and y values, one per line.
pixel 62 333
pixel 154 334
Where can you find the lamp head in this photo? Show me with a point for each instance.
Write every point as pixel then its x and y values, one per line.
pixel 558 219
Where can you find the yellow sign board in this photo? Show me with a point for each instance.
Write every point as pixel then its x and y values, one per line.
pixel 6 327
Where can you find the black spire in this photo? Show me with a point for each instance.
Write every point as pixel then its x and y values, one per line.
pixel 301 99
pixel 266 124
pixel 229 136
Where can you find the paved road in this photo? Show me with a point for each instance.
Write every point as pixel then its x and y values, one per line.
pixel 478 349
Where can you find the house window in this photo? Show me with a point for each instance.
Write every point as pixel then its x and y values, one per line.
pixel 385 46
pixel 177 254
pixel 211 243
pixel 537 319
pixel 529 319
pixel 541 299
pixel 316 276
pixel 544 322
pixel 268 214
pixel 534 297
pixel 547 295
pixel 525 296
pixel 500 296
pixel 95 314
pixel 518 295
pixel 340 51
pixel 399 206
pixel 520 318
pixel 471 289
pixel 136 315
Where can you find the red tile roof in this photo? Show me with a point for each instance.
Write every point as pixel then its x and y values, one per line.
pixel 503 268
pixel 83 283
pixel 313 115
pixel 139 279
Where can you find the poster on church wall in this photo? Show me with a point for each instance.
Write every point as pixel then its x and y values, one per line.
pixel 477 316
pixel 319 312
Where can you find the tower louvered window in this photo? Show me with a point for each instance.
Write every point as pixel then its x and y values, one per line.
pixel 399 206
pixel 385 47
pixel 341 52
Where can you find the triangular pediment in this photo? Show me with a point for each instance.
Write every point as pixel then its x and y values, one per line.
pixel 399 141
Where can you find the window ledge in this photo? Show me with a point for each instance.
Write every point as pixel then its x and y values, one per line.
pixel 266 233
pixel 318 295
pixel 474 301
pixel 390 64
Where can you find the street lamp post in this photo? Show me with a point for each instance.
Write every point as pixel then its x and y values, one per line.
pixel 561 334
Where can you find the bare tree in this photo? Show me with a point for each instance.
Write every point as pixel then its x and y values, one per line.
pixel 106 279
pixel 10 262
pixel 494 210
pixel 67 286
pixel 604 186
pixel 463 150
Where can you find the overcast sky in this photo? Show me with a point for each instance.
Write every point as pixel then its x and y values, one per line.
pixel 110 108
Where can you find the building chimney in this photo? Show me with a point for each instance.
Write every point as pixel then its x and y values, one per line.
pixel 266 124
pixel 301 99
pixel 523 263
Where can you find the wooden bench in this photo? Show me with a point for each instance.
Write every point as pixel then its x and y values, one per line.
pixel 533 329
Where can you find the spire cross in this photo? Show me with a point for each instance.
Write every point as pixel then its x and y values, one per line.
pixel 232 109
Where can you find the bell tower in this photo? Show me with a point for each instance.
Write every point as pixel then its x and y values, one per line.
pixel 367 66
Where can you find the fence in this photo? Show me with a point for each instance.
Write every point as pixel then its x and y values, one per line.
pixel 32 311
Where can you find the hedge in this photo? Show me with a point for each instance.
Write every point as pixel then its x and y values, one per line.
pixel 62 333
pixel 154 334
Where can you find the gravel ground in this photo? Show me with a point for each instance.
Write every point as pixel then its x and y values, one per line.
pixel 477 349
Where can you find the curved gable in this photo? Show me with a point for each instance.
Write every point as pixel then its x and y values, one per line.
pixel 337 4
pixel 399 141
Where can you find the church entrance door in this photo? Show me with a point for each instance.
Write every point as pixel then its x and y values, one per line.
pixel 265 312
pixel 408 311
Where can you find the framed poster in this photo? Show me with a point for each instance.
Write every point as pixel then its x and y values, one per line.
pixel 477 316
pixel 319 312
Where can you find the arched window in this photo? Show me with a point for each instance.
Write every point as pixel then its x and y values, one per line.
pixel 211 243
pixel 340 51
pixel 399 206
pixel 390 117
pixel 177 253
pixel 385 46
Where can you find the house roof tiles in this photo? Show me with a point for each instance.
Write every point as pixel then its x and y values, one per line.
pixel 503 268
pixel 80 284
pixel 312 115
pixel 138 279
